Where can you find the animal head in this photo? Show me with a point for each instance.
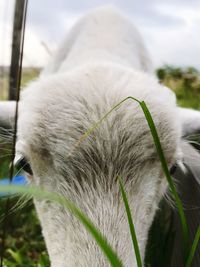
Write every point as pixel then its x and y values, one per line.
pixel 56 110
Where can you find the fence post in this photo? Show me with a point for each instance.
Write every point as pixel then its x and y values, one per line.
pixel 16 44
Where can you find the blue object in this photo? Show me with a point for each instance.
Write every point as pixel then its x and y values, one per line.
pixel 17 180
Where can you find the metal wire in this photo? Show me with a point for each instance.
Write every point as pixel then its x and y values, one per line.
pixel 19 73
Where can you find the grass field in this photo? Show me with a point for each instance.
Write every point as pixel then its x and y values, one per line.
pixel 184 82
pixel 24 242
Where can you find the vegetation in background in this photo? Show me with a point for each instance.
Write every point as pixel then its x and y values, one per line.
pixel 184 82
pixel 25 246
pixel 24 242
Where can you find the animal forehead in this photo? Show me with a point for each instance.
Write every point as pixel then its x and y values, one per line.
pixel 58 129
pixel 105 85
pixel 58 110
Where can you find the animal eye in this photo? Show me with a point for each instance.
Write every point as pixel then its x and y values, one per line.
pixel 173 169
pixel 23 164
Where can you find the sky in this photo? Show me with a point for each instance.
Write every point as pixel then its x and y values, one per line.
pixel 170 28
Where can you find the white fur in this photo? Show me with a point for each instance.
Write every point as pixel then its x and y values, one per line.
pixel 7 109
pixel 190 120
pixel 102 61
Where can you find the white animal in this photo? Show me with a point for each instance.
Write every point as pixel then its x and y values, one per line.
pixel 102 61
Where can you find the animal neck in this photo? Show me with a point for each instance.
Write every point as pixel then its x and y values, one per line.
pixel 104 35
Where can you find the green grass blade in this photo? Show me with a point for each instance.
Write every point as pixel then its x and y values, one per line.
pixel 131 225
pixel 41 194
pixel 168 176
pixel 193 249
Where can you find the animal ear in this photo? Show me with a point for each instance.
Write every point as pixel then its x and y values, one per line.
pixel 7 113
pixel 190 121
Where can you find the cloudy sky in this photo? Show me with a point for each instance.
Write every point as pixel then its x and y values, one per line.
pixel 170 28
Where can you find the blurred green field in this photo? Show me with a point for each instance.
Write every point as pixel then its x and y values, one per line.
pixel 24 242
pixel 184 82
